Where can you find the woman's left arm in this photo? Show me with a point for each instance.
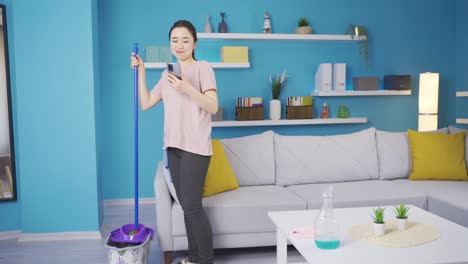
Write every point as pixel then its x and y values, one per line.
pixel 207 101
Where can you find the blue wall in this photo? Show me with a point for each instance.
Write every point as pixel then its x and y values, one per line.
pixel 462 58
pixel 55 116
pixel 73 88
pixel 400 43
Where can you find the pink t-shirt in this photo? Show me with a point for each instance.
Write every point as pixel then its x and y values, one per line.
pixel 186 125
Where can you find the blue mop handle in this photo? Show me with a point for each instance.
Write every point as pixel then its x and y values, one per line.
pixel 135 77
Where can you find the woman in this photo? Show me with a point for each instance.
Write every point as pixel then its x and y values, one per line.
pixel 188 106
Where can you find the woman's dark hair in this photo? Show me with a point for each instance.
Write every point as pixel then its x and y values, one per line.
pixel 185 24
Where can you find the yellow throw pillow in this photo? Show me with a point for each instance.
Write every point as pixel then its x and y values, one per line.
pixel 220 177
pixel 437 156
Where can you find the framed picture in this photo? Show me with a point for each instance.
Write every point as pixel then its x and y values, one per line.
pixel 7 153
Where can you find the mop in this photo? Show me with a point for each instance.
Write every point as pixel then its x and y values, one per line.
pixel 132 235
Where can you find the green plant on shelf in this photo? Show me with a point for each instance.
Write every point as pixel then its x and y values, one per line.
pixel 302 22
pixel 378 215
pixel 401 211
pixel 358 32
pixel 278 82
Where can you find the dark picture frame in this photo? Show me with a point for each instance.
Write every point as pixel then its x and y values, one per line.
pixel 7 150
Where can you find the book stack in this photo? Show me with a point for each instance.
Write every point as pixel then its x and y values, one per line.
pixel 299 107
pixel 249 108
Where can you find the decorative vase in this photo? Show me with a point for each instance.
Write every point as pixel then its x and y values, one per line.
pixel 208 28
pixel 275 109
pixel 342 112
pixel 222 26
pixel 379 229
pixel 303 30
pixel 402 223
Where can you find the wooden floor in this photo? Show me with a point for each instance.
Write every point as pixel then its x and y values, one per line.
pixel 95 252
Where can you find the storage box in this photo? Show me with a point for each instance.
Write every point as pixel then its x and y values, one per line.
pixel 365 83
pixel 234 54
pixel 397 82
pixel 250 113
pixel 158 54
pixel 299 112
pixel 219 115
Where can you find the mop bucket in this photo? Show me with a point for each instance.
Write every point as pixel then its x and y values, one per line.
pixel 129 249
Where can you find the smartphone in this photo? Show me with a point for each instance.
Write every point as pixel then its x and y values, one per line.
pixel 174 68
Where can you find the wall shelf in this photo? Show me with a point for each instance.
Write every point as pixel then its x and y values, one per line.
pixel 218 65
pixel 288 122
pixel 360 93
pixel 263 36
pixel 462 94
pixel 462 120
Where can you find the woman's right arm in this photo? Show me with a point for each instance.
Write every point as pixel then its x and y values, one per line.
pixel 147 99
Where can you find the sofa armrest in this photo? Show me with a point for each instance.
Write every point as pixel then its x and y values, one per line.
pixel 163 210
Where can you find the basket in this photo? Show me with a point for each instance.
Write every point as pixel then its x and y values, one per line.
pixel 120 253
pixel 299 112
pixel 250 113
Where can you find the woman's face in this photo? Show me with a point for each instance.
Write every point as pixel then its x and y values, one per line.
pixel 182 43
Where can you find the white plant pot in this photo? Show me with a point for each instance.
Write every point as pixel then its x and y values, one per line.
pixel 379 229
pixel 275 109
pixel 402 224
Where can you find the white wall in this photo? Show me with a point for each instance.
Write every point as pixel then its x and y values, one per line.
pixel 4 127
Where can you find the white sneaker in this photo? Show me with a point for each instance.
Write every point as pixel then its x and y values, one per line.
pixel 185 261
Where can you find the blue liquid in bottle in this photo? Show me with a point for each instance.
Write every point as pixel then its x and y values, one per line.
pixel 332 244
pixel 326 228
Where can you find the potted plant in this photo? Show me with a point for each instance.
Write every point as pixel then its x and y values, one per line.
pixel 303 26
pixel 360 32
pixel 379 223
pixel 401 212
pixel 277 82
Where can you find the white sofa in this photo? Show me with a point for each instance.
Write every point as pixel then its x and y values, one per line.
pixel 276 173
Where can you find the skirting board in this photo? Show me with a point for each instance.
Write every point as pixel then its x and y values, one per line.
pixel 130 201
pixel 10 234
pixel 59 236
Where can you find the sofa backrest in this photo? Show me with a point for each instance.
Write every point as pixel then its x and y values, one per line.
pixel 314 159
pixel 251 158
pixel 394 154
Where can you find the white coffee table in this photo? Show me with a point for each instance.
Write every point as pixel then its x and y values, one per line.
pixel 450 247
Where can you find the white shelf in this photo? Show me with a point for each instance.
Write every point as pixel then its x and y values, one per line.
pixel 222 65
pixel 264 36
pixel 462 94
pixel 288 122
pixel 462 120
pixel 360 93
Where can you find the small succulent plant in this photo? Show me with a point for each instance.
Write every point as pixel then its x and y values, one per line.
pixel 302 22
pixel 378 215
pixel 401 211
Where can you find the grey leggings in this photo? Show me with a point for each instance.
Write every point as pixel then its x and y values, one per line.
pixel 188 171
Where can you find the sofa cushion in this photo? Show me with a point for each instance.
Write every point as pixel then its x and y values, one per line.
pixel 315 159
pixel 219 177
pixel 243 210
pixel 454 130
pixel 437 156
pixel 394 153
pixel 360 193
pixel 447 199
pixel 251 158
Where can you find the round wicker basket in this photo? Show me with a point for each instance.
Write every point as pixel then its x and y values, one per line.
pixel 304 30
